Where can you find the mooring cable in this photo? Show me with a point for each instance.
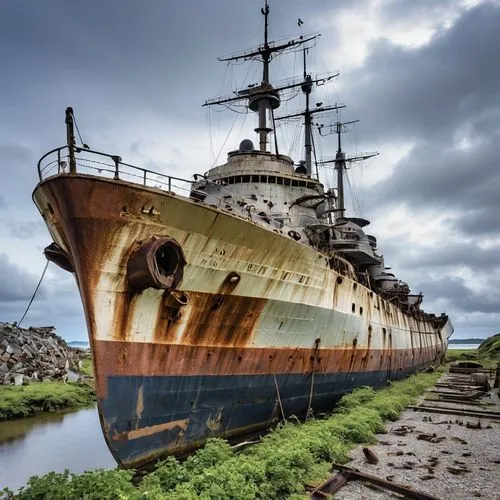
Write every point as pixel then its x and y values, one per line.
pixel 279 397
pixel 34 293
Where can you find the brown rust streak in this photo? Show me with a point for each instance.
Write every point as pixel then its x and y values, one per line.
pixel 171 360
pixel 153 429
pixel 230 323
pixel 88 214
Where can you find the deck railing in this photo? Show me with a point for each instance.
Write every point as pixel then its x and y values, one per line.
pixel 88 161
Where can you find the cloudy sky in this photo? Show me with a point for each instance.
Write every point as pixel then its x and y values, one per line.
pixel 423 78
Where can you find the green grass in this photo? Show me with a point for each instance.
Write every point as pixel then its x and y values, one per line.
pixel 461 355
pixel 26 400
pixel 490 348
pixel 277 467
pixel 87 367
pixel 488 353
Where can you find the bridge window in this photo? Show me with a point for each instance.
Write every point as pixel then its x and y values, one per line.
pixel 271 179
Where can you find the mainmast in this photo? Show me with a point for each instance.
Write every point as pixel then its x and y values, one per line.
pixel 307 88
pixel 264 97
pixel 271 100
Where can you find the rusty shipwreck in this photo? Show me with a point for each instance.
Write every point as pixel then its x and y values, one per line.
pixel 218 305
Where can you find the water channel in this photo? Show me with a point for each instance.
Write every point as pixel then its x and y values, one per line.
pixel 51 442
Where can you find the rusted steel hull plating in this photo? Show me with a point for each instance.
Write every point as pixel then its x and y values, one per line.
pixel 204 324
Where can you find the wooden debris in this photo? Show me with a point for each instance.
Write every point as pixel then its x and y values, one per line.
pixel 457 470
pixel 370 456
pixel 471 425
pixel 432 438
pixel 397 453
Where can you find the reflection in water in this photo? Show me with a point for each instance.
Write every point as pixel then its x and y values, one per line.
pixel 51 442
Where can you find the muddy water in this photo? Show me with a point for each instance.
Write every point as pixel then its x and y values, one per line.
pixel 51 442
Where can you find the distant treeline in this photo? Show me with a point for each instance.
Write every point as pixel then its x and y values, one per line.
pixel 465 341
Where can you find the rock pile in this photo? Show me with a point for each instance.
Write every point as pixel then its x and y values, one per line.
pixel 34 354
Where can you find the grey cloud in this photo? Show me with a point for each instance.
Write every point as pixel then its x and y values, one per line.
pixel 3 203
pixel 445 254
pixel 460 297
pixel 57 301
pixel 434 97
pixel 25 230
pixel 120 55
pixel 480 222
pixel 472 325
pixel 394 11
pixel 15 284
pixel 415 93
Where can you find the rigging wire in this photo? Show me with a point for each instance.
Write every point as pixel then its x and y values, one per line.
pixel 226 139
pixel 34 293
pixel 209 118
pixel 78 131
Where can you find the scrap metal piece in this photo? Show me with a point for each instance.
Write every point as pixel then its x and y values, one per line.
pixel 390 485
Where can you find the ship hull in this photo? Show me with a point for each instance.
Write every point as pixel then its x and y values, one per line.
pixel 290 336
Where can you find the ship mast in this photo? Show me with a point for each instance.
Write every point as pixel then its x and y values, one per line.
pixel 341 162
pixel 307 114
pixel 264 97
pixel 307 88
pixel 340 166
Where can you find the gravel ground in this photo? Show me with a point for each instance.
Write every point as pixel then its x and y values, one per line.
pixel 438 455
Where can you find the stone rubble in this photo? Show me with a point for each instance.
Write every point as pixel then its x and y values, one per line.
pixel 32 354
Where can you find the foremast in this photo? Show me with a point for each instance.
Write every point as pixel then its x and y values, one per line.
pixel 264 98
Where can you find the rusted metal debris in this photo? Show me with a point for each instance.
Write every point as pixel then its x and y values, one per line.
pixel 331 485
pixel 339 479
pixel 465 367
pixel 494 415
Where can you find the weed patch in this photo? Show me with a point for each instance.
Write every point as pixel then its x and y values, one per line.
pixel 26 400
pixel 277 467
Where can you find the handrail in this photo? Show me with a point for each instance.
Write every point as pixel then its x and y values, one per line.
pixel 113 168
